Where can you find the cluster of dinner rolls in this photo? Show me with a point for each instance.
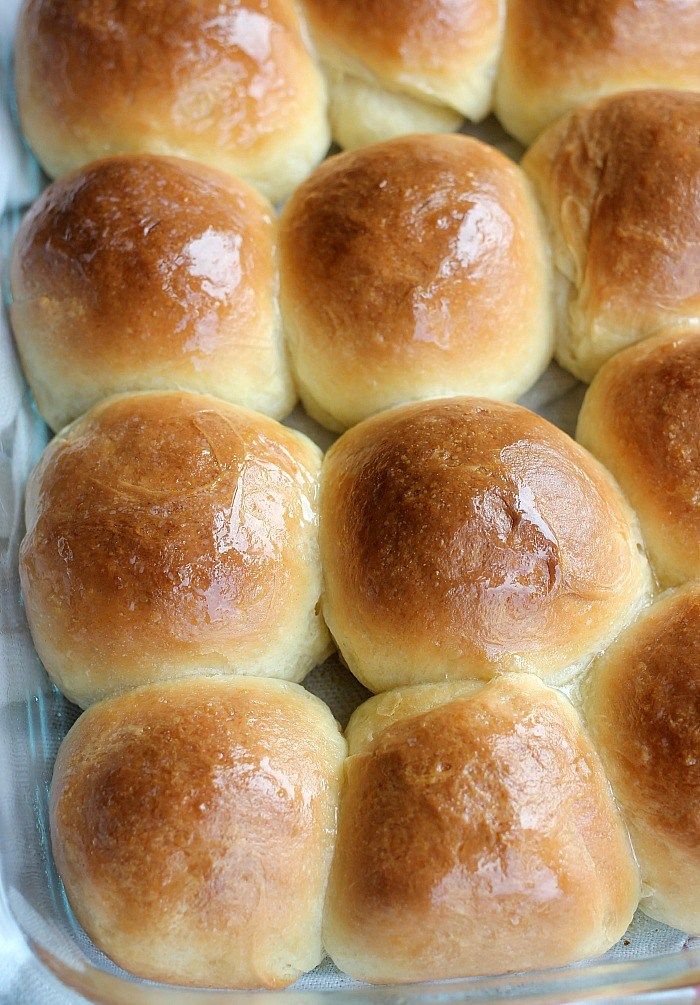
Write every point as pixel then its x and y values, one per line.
pixel 170 534
pixel 257 87
pixel 409 269
pixel 188 560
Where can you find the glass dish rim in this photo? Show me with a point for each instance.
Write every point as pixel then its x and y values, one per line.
pixel 588 981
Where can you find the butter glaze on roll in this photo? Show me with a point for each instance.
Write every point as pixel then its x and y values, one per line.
pixel 230 83
pixel 406 66
pixel 619 183
pixel 193 825
pixel 463 537
pixel 559 54
pixel 145 272
pixel 168 535
pixel 477 835
pixel 415 268
pixel 641 418
pixel 643 707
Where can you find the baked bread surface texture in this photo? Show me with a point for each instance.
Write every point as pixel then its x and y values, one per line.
pixel 172 534
pixel 462 537
pixel 641 418
pixel 560 54
pixel 416 268
pixel 619 182
pixel 407 66
pixel 142 273
pixel 230 83
pixel 193 824
pixel 642 703
pixel 477 835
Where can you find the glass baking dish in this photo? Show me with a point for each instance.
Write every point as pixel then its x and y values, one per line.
pixel 34 717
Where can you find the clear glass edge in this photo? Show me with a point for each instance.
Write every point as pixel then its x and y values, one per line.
pixel 589 982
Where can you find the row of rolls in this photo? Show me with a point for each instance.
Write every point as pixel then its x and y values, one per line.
pixel 258 88
pixel 424 266
pixel 525 607
pixel 185 563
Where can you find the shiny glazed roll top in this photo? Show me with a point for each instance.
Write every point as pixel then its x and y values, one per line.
pixel 404 67
pixel 559 54
pixel 193 824
pixel 619 183
pixel 413 269
pixel 169 535
pixel 477 835
pixel 642 703
pixel 461 537
pixel 143 272
pixel 641 418
pixel 230 83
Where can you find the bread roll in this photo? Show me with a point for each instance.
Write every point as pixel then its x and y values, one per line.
pixel 619 181
pixel 148 272
pixel 641 418
pixel 559 54
pixel 193 825
pixel 230 83
pixel 463 537
pixel 413 269
pixel 404 67
pixel 168 535
pixel 477 835
pixel 643 708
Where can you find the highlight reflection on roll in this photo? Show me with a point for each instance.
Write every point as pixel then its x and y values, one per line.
pixel 642 703
pixel 142 273
pixel 461 537
pixel 641 418
pixel 193 825
pixel 413 269
pixel 477 835
pixel 229 83
pixel 560 55
pixel 171 534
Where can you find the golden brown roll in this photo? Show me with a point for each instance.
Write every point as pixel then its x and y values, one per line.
pixel 619 181
pixel 641 418
pixel 643 707
pixel 230 83
pixel 145 272
pixel 193 825
pixel 462 537
pixel 406 66
pixel 477 835
pixel 168 535
pixel 559 54
pixel 413 269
